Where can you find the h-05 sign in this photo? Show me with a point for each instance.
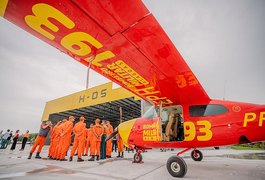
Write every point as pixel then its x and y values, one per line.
pixel 97 94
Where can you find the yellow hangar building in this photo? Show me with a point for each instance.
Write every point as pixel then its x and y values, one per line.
pixel 101 102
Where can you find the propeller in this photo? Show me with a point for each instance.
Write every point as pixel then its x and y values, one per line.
pixel 112 134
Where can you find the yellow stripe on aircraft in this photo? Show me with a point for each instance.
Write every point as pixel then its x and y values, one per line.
pixel 3 5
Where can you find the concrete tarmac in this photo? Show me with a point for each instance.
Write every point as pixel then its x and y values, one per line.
pixel 216 164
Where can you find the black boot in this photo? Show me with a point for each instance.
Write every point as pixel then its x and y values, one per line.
pixel 92 158
pixel 38 156
pixel 70 158
pixel 80 160
pixel 119 155
pixel 97 158
pixel 30 154
pixel 122 155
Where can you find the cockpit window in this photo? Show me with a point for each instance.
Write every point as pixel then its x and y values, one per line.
pixel 207 110
pixel 151 113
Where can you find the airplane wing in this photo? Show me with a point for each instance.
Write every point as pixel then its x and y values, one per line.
pixel 119 39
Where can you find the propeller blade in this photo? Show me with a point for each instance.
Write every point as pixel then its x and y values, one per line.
pixel 112 134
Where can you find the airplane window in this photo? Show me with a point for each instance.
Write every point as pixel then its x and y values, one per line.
pixel 151 113
pixel 207 110
pixel 164 116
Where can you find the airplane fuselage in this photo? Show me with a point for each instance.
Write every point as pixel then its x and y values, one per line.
pixel 224 123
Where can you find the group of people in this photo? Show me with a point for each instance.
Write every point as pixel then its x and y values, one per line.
pixel 6 138
pixel 86 140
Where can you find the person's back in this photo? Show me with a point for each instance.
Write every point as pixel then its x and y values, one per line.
pixel 79 140
pixel 120 146
pixel 109 142
pixel 67 128
pixel 79 129
pixel 15 138
pixel 41 138
pixel 24 140
pixel 44 131
pixel 98 131
pixel 54 140
pixel 4 139
pixel 10 135
pixel 6 135
pixel 9 138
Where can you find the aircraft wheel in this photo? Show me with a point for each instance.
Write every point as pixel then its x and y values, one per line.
pixel 197 155
pixel 176 166
pixel 137 158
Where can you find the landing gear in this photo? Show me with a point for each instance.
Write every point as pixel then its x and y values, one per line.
pixel 176 166
pixel 137 158
pixel 196 155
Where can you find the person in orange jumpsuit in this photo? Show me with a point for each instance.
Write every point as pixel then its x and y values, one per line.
pixel 79 141
pixel 24 141
pixel 41 138
pixel 96 139
pixel 120 146
pixel 66 133
pixel 54 137
pixel 109 142
pixel 58 147
pixel 88 139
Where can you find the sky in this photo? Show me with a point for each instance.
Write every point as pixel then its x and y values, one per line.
pixel 223 42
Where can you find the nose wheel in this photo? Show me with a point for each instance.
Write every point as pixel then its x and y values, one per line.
pixel 196 155
pixel 176 166
pixel 138 158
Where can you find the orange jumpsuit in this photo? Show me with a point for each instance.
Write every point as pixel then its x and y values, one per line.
pixel 80 137
pixel 120 144
pixel 97 132
pixel 58 147
pixel 89 134
pixel 67 129
pixel 109 142
pixel 54 140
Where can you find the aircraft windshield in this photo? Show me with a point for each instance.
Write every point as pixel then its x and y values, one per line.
pixel 151 113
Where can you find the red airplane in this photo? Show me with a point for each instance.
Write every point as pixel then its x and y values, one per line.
pixel 123 41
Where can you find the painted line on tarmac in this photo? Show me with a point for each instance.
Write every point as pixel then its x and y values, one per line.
pixel 3 176
pixel 149 172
